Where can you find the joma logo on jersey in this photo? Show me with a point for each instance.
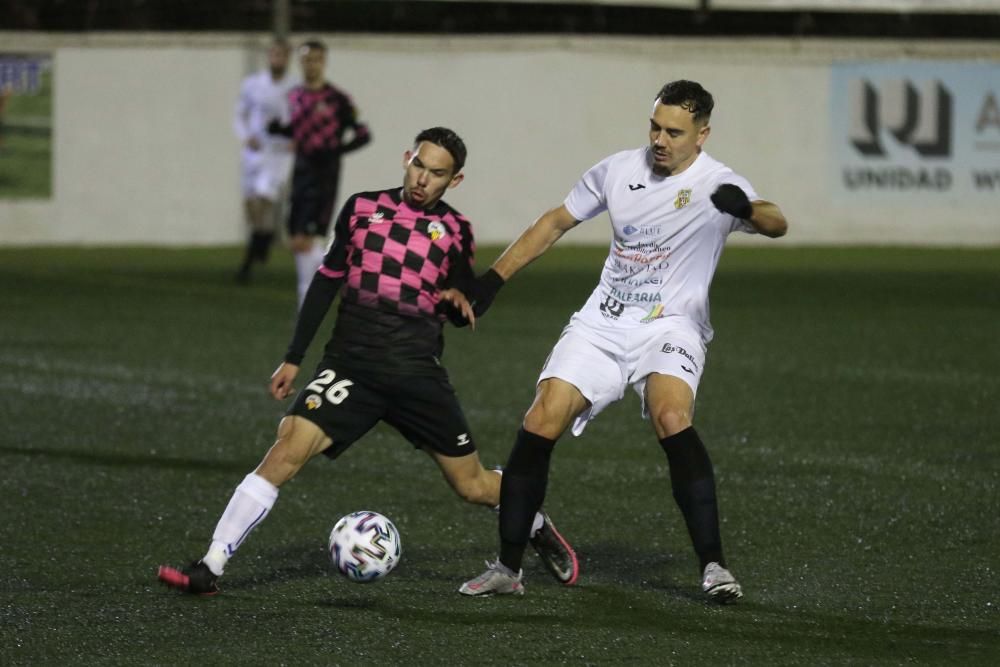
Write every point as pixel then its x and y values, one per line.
pixel 683 198
pixel 918 116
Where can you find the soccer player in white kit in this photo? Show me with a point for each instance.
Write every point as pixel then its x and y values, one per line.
pixel 646 324
pixel 266 158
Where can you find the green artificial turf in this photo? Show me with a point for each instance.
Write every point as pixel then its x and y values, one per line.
pixel 849 404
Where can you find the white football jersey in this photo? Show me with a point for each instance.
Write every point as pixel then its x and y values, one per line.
pixel 261 100
pixel 668 237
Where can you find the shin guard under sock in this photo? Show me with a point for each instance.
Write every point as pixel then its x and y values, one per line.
pixel 250 503
pixel 522 490
pixel 693 482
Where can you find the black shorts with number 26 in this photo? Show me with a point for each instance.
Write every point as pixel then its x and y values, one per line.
pixel 346 404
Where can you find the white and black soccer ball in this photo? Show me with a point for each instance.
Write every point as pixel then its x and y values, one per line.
pixel 364 546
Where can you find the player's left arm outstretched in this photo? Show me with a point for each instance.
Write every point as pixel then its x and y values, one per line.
pixel 529 246
pixel 765 216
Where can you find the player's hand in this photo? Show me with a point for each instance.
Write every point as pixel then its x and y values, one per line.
pixel 730 199
pixel 281 381
pixel 459 305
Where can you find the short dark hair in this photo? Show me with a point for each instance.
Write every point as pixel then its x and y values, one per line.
pixel 448 140
pixel 313 44
pixel 690 96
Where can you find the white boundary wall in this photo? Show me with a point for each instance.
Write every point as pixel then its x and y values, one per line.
pixel 144 153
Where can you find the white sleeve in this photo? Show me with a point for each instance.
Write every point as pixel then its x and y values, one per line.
pixel 241 116
pixel 587 198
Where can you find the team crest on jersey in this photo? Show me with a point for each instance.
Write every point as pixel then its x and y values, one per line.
pixel 376 218
pixel 313 402
pixel 683 198
pixel 436 230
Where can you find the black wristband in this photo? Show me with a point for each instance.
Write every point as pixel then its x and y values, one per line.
pixel 492 280
pixel 484 290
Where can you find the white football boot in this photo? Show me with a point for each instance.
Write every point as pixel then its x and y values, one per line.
pixel 720 585
pixel 498 579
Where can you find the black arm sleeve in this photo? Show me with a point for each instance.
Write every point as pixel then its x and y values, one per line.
pixel 461 277
pixel 275 127
pixel 323 289
pixel 320 295
pixel 361 135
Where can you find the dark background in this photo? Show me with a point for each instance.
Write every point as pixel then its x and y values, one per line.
pixel 375 16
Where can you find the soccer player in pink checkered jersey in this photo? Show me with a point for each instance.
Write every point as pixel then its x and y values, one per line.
pixel 325 126
pixel 396 259
pixel 646 325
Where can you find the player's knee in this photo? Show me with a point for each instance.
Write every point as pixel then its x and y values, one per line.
pixel 547 417
pixel 542 422
pixel 669 419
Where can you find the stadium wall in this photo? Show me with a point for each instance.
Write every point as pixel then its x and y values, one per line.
pixel 144 152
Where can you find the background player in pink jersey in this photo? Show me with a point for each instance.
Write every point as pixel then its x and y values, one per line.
pixel 645 325
pixel 325 126
pixel 396 256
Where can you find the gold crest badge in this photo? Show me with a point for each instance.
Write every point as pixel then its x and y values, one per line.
pixel 436 230
pixel 683 198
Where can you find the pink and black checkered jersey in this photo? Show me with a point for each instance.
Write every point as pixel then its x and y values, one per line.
pixel 320 117
pixel 393 261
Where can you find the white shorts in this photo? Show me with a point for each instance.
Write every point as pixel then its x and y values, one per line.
pixel 265 173
pixel 601 361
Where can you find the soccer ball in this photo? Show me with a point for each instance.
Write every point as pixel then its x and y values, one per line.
pixel 364 546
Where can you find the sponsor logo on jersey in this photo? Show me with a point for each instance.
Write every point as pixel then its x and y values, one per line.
pixel 313 402
pixel 636 297
pixel 670 348
pixel 463 440
pixel 629 230
pixel 612 308
pixel 376 218
pixel 683 198
pixel 436 230
pixel 643 252
pixel 655 313
pixel 641 281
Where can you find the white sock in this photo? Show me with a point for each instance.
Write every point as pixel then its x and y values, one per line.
pixel 251 502
pixel 539 521
pixel 306 265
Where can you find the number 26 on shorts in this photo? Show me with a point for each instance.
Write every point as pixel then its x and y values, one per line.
pixel 335 392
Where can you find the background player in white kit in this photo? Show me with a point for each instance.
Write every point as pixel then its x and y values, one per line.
pixel 267 158
pixel 646 325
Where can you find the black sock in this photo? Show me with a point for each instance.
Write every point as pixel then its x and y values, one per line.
pixel 522 490
pixel 693 483
pixel 260 246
